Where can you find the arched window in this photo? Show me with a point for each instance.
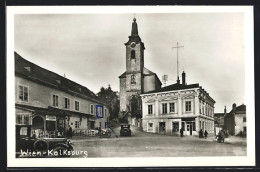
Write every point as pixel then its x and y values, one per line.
pixel 132 79
pixel 133 54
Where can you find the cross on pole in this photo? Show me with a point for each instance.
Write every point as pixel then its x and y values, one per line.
pixel 178 58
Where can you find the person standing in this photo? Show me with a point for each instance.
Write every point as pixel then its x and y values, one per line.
pixel 181 131
pixel 99 131
pixel 70 132
pixel 205 134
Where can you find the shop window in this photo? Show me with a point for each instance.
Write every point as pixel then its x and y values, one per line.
pixel 188 106
pixel 150 109
pixel 55 102
pixel 76 105
pixel 164 108
pixel 67 103
pixel 50 125
pixel 172 107
pixel 175 126
pixel 23 93
pixel 77 124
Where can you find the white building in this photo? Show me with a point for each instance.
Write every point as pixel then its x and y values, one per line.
pixel 168 109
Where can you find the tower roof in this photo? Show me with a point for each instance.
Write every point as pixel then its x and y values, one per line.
pixel 134 28
pixel 134 37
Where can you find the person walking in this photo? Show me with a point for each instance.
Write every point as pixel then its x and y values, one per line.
pixel 205 134
pixel 181 131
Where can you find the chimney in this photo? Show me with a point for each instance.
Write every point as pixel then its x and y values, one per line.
pixel 178 80
pixel 234 107
pixel 225 110
pixel 183 78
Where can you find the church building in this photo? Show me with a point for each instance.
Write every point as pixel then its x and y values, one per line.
pixel 136 79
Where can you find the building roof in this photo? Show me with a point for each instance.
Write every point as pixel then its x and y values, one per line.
pixel 218 115
pixel 174 87
pixel 239 109
pixel 31 71
pixel 146 72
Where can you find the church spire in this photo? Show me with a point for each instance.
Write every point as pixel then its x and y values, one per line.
pixel 134 37
pixel 134 28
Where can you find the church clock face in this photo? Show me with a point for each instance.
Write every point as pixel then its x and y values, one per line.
pixel 132 44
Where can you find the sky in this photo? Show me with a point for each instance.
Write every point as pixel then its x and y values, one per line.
pixel 89 48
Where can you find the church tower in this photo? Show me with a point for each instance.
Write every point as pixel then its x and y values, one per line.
pixel 134 61
pixel 136 79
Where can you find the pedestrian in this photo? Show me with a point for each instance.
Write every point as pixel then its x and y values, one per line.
pixel 205 134
pixel 70 132
pixel 99 131
pixel 181 131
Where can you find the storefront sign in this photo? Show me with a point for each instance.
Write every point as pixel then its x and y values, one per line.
pixel 50 118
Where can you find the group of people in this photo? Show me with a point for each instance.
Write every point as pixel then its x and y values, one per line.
pixel 203 135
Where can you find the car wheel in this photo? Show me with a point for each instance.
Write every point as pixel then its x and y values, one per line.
pixel 41 145
pixel 61 152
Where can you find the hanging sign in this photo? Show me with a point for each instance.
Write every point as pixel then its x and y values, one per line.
pixel 50 118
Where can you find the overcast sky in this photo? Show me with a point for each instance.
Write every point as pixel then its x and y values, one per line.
pixel 90 48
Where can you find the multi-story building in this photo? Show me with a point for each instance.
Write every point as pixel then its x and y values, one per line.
pixel 168 109
pixel 235 120
pixel 50 102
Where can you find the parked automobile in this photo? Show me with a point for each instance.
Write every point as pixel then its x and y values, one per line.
pixel 125 130
pixel 27 145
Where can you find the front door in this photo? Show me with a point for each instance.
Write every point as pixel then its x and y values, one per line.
pixel 162 127
pixel 189 129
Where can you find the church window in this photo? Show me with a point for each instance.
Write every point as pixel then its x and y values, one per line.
pixel 132 79
pixel 133 54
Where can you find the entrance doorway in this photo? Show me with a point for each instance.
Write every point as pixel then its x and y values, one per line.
pixel 175 128
pixel 38 126
pixel 189 129
pixel 38 123
pixel 162 128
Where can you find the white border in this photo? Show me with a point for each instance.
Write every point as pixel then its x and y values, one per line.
pixel 248 160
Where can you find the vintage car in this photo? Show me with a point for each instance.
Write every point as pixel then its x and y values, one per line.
pixel 125 130
pixel 27 145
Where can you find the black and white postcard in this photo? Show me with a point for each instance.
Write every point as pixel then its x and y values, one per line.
pixel 117 86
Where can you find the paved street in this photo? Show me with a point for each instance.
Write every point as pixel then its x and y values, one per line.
pixel 142 144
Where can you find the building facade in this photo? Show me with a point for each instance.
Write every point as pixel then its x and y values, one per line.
pixel 235 120
pixel 136 79
pixel 168 109
pixel 50 102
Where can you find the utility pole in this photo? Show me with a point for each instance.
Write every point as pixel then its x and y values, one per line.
pixel 178 80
